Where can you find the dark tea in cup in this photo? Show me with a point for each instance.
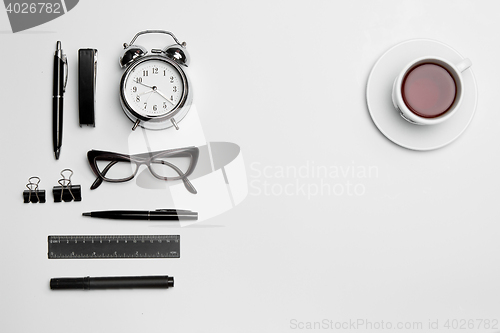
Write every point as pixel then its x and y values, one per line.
pixel 429 90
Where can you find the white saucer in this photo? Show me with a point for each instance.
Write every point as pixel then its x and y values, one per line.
pixel 390 122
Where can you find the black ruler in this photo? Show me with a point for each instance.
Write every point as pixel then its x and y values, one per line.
pixel 111 247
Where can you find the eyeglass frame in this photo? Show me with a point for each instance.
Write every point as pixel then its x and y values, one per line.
pixel 143 159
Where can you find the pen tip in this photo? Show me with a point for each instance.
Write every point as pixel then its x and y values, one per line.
pixel 86 214
pixel 58 47
pixel 57 153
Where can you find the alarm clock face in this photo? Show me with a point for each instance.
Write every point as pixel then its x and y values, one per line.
pixel 153 88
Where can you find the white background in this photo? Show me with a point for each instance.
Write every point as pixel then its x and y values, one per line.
pixel 286 81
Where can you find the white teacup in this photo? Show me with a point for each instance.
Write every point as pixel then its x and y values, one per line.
pixel 428 91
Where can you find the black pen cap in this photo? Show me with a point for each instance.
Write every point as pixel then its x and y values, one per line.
pixel 70 283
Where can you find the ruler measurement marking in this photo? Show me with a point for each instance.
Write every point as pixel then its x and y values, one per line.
pixel 112 246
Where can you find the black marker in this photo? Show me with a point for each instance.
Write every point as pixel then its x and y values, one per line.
pixel 115 282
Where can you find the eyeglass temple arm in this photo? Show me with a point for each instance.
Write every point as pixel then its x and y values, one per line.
pixel 189 186
pixel 99 179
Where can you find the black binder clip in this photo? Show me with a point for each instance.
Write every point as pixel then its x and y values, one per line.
pixel 66 191
pixel 33 194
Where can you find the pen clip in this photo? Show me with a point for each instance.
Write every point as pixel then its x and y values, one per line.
pixel 65 60
pixel 172 210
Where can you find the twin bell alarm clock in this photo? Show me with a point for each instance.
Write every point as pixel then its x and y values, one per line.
pixel 154 89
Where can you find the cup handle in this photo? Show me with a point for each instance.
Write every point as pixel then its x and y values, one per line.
pixel 464 64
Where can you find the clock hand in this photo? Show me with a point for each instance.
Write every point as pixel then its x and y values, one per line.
pixel 161 94
pixel 145 85
pixel 147 99
pixel 146 92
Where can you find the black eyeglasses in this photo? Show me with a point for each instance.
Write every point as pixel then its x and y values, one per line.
pixel 172 164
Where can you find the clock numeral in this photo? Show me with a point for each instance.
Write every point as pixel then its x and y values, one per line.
pixel 145 73
pixel 145 106
pixel 139 80
pixel 155 108
pixel 164 105
pixel 155 70
pixel 171 79
pixel 174 88
pixel 134 89
pixel 172 97
pixel 137 98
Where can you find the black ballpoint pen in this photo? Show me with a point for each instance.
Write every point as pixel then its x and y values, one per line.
pixel 155 215
pixel 60 80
